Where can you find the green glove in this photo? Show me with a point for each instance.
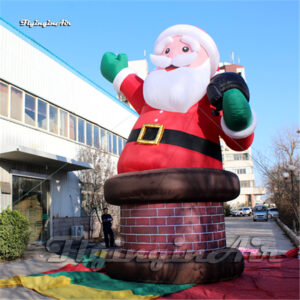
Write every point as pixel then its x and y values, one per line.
pixel 236 110
pixel 111 65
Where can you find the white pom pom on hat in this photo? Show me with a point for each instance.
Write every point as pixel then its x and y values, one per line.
pixel 197 33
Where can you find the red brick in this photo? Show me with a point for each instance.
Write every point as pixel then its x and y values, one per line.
pixel 205 219
pixel 131 221
pixel 146 247
pixel 206 237
pixel 211 210
pixel 217 235
pixel 215 219
pixel 189 204
pixel 130 238
pixel 221 226
pixel 144 229
pixel 185 246
pixel 165 212
pixel 192 237
pixel 123 221
pixel 127 206
pixel 220 210
pixel 173 205
pixel 125 213
pixel 212 245
pixel 198 211
pixel 166 229
pixel 212 227
pixel 158 239
pixel 222 243
pixel 222 218
pixel 174 220
pixel 157 221
pixel 157 205
pixel 143 212
pixel 199 228
pixel 184 229
pixel 171 238
pixel 142 221
pixel 200 246
pixel 183 211
pixel 166 247
pixel 141 206
pixel 143 238
pixel 125 229
pixel 191 220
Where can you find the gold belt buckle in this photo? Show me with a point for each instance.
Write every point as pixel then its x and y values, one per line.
pixel 158 137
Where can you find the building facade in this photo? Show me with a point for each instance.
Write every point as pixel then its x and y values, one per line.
pixel 48 112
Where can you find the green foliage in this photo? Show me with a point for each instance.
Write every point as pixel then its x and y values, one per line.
pixel 227 210
pixel 14 234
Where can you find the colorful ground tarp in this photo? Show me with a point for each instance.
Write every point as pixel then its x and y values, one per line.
pixel 263 278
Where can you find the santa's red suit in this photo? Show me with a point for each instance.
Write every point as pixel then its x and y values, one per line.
pixel 190 140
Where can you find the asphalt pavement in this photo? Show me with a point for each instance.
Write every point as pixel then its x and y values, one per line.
pixel 267 237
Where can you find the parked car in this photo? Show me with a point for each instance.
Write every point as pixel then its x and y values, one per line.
pixel 247 211
pixel 237 213
pixel 260 213
pixel 273 213
pixel 241 212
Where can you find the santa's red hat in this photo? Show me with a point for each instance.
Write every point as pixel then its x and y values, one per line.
pixel 195 33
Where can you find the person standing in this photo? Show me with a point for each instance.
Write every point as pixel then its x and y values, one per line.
pixel 106 221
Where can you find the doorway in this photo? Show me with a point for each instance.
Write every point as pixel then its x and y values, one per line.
pixel 31 198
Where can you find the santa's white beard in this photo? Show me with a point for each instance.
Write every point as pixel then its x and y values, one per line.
pixel 176 90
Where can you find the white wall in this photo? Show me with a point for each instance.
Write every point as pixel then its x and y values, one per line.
pixel 24 65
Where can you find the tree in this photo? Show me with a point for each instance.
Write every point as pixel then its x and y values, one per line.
pixel 282 177
pixel 92 181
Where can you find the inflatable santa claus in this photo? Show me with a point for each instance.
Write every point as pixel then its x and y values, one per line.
pixel 171 185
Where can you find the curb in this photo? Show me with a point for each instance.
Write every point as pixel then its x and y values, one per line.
pixel 292 236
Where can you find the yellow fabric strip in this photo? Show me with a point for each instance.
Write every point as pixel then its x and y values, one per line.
pixel 61 288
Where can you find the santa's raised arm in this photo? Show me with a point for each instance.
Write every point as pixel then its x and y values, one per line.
pixel 176 127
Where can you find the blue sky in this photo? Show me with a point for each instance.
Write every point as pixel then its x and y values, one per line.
pixel 263 34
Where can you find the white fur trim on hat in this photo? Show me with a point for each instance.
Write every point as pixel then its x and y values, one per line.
pixel 240 134
pixel 200 35
pixel 120 78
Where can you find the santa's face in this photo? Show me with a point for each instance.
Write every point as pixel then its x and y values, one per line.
pixel 181 77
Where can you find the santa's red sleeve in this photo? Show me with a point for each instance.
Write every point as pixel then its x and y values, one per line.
pixel 131 86
pixel 238 140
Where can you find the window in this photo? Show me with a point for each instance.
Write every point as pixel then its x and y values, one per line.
pixel 109 140
pixel 63 126
pixel 29 110
pixel 120 145
pixel 246 184
pixel 114 144
pixel 241 156
pixel 124 143
pixel 3 99
pixel 72 127
pixel 96 137
pixel 81 131
pixel 16 106
pixel 89 134
pixel 42 114
pixel 53 119
pixel 103 140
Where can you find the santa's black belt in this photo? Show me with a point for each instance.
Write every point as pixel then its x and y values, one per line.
pixel 153 134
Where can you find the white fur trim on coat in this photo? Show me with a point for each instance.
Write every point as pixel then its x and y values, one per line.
pixel 120 78
pixel 240 134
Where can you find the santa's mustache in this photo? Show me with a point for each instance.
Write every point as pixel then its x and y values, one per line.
pixel 177 61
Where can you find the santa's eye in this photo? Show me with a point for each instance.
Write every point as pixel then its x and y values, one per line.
pixel 185 49
pixel 167 50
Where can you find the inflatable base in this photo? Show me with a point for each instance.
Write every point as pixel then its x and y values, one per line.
pixel 207 267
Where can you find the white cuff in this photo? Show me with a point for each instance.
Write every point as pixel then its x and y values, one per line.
pixel 240 134
pixel 120 78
